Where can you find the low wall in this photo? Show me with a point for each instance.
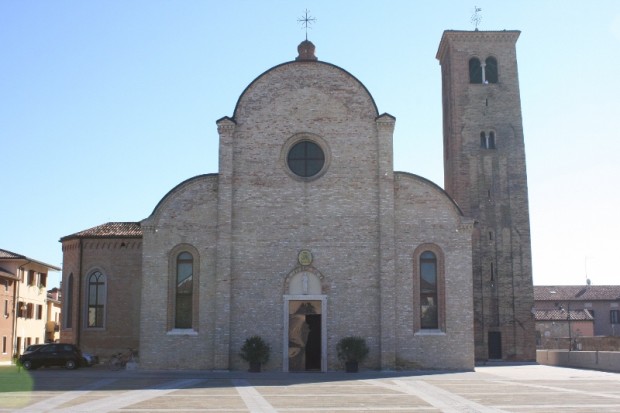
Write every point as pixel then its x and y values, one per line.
pixel 584 343
pixel 595 360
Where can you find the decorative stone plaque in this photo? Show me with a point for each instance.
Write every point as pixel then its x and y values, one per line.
pixel 304 257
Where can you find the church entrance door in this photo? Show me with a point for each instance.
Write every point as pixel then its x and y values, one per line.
pixel 495 345
pixel 305 335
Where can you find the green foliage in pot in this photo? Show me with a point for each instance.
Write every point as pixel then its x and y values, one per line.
pixel 352 349
pixel 255 350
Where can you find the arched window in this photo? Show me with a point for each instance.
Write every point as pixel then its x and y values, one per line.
pixel 490 70
pixel 487 141
pixel 184 291
pixel 429 304
pixel 96 299
pixel 491 142
pixel 68 304
pixel 475 70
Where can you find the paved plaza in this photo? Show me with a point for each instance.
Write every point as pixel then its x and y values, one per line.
pixel 523 388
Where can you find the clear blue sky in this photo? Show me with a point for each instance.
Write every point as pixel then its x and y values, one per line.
pixel 107 105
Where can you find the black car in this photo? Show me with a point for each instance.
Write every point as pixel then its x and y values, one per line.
pixel 33 347
pixel 56 354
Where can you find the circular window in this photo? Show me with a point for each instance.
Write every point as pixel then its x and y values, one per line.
pixel 305 159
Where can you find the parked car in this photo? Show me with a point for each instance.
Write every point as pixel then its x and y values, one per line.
pixel 33 347
pixel 90 359
pixel 55 354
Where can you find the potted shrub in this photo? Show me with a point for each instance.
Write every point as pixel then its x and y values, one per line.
pixel 256 352
pixel 352 351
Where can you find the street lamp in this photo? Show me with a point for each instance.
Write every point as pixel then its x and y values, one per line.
pixel 570 334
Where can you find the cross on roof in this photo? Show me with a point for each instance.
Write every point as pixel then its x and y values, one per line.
pixel 306 21
pixel 476 18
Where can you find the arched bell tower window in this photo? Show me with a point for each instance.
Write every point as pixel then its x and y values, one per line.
pixel 487 140
pixel 475 70
pixel 490 70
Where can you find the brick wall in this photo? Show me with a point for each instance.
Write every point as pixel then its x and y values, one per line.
pixel 249 223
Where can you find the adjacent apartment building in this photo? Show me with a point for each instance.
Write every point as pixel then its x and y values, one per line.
pixel 576 311
pixel 23 291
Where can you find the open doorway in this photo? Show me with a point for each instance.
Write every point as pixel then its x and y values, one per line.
pixel 305 335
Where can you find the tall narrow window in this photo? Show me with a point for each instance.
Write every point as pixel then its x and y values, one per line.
pixel 31 277
pixel 68 309
pixel 490 70
pixel 428 291
pixel 475 70
pixel 614 316
pixel 96 299
pixel 487 141
pixel 184 291
pixel 21 309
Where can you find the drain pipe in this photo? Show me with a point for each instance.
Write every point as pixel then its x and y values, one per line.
pixel 20 271
pixel 78 324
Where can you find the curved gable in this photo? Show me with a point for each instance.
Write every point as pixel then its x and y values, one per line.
pixel 423 189
pixel 185 195
pixel 297 76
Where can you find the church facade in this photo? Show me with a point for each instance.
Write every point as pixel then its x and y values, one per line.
pixel 306 234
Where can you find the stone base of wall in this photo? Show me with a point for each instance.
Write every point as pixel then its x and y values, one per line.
pixel 595 360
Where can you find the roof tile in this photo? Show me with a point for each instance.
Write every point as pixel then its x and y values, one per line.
pixel 110 230
pixel 561 315
pixel 576 292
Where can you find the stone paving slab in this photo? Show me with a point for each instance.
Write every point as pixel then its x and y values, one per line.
pixel 527 388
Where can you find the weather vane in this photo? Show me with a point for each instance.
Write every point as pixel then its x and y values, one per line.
pixel 306 21
pixel 476 18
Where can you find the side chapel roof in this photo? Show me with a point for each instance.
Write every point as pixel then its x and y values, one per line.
pixel 109 230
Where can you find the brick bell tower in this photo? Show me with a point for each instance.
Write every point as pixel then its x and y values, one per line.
pixel 484 171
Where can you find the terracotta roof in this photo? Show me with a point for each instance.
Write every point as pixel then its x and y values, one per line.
pixel 7 274
pixel 560 315
pixel 9 256
pixel 109 230
pixel 576 292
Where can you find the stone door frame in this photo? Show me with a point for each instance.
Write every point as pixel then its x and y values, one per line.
pixel 323 299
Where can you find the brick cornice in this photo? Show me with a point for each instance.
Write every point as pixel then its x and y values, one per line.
pixel 450 36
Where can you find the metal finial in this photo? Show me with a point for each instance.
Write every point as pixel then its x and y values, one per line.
pixel 476 18
pixel 306 21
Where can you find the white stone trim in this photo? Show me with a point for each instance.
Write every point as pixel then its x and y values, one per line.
pixel 323 299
